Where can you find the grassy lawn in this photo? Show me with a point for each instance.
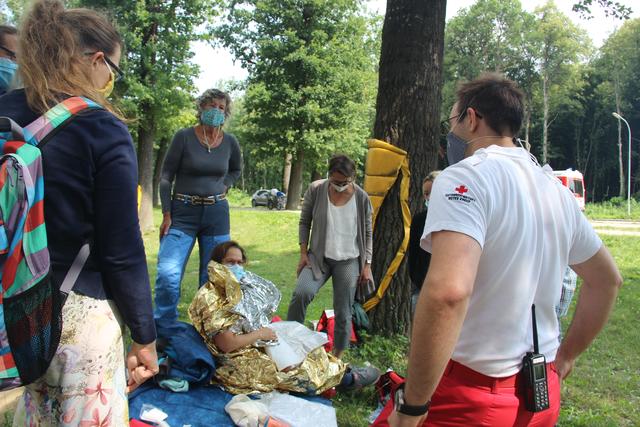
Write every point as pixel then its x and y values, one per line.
pixel 615 208
pixel 603 390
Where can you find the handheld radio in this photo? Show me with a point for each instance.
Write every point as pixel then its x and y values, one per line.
pixel 534 370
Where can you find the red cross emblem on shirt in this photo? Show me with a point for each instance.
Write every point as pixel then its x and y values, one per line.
pixel 462 189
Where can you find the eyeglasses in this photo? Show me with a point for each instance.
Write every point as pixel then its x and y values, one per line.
pixel 118 72
pixel 445 125
pixel 114 67
pixel 12 54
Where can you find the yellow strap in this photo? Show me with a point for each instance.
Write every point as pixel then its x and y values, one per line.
pixel 384 163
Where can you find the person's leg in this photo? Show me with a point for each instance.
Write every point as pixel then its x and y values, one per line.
pixel 173 255
pixel 345 277
pixel 306 289
pixel 86 382
pixel 215 230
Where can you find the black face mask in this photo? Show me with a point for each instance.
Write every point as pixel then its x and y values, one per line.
pixel 456 147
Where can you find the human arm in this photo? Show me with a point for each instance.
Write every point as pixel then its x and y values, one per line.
pixel 304 227
pixel 170 167
pixel 229 342
pixel 235 163
pixel 117 246
pixel 601 282
pixel 439 315
pixel 365 274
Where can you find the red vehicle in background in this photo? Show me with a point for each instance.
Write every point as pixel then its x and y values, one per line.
pixel 574 181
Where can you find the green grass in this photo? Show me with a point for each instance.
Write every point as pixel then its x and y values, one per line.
pixel 603 390
pixel 616 208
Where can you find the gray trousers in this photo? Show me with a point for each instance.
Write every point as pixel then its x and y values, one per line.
pixel 345 277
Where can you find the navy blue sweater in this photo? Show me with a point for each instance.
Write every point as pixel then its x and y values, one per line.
pixel 90 186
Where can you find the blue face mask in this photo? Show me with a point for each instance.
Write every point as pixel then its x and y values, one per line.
pixel 237 270
pixel 212 117
pixel 8 69
pixel 455 148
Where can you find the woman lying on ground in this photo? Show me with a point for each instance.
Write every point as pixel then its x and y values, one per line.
pixel 232 311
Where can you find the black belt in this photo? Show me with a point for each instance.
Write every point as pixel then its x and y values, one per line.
pixel 199 200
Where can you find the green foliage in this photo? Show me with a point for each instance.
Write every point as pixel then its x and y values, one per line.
pixel 158 88
pixel 490 35
pixel 312 78
pixel 611 8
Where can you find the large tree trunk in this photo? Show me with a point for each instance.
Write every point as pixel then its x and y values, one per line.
pixel 295 184
pixel 157 170
pixel 146 136
pixel 286 175
pixel 407 115
pixel 545 119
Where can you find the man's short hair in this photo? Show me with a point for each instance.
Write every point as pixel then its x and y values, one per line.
pixel 7 30
pixel 497 100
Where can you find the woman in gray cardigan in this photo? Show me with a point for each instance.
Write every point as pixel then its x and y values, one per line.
pixel 337 214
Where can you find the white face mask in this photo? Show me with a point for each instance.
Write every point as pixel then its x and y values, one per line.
pixel 426 203
pixel 338 188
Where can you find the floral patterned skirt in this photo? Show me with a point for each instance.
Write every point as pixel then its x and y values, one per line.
pixel 85 384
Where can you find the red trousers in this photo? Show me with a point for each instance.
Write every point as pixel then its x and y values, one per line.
pixel 466 397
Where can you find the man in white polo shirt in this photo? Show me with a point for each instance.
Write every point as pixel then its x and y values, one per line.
pixel 501 230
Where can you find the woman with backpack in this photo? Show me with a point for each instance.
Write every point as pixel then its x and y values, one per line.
pixel 90 178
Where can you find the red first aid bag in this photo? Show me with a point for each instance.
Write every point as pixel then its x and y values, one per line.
pixel 326 324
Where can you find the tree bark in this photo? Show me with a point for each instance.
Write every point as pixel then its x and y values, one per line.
pixel 545 119
pixel 295 184
pixel 407 116
pixel 286 175
pixel 623 186
pixel 146 136
pixel 157 170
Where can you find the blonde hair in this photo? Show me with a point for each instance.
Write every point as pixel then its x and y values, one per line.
pixel 431 177
pixel 53 45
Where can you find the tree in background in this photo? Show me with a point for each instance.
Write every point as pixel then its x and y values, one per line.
pixel 619 66
pixel 562 47
pixel 159 75
pixel 492 35
pixel 407 116
pixel 311 80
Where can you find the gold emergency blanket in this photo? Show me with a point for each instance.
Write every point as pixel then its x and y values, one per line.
pixel 250 369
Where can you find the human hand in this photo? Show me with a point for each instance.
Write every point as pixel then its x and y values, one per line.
pixel 142 364
pixel 366 274
pixel 563 366
pixel 267 334
pixel 166 224
pixel 401 420
pixel 304 261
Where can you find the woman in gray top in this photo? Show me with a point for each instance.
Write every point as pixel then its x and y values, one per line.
pixel 337 214
pixel 202 163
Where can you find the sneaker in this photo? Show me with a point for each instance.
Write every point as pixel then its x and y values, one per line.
pixel 362 377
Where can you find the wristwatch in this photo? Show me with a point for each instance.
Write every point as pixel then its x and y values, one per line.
pixel 411 410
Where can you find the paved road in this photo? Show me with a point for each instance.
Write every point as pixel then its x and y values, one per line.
pixel 617 227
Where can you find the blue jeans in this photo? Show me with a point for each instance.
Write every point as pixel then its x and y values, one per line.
pixel 210 225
